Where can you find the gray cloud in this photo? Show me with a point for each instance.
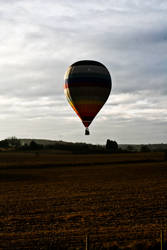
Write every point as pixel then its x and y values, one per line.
pixel 40 39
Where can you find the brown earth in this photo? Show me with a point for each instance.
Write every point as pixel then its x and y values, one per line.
pixel 52 201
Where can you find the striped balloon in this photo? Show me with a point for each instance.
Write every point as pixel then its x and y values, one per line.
pixel 87 87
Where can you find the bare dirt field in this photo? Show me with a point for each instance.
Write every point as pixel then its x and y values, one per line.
pixel 53 200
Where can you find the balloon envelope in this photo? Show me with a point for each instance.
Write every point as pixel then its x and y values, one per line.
pixel 87 87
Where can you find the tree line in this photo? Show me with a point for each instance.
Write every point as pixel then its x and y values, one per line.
pixel 111 146
pixel 14 143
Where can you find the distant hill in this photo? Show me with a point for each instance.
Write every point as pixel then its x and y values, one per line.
pixel 33 143
pixel 129 147
pixel 40 141
pixel 138 147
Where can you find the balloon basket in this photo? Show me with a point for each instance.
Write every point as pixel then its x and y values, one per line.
pixel 87 131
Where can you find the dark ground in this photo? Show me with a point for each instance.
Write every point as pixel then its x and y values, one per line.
pixel 47 205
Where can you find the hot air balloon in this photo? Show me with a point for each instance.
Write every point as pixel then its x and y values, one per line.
pixel 87 88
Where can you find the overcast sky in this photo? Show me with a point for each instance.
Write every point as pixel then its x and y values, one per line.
pixel 40 39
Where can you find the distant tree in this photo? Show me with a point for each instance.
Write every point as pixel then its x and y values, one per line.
pixel 4 143
pixel 144 148
pixel 25 147
pixel 111 146
pixel 13 142
pixel 130 148
pixel 35 146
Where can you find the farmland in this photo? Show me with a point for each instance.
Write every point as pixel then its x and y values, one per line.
pixel 52 200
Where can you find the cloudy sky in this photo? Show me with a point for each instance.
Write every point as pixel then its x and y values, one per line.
pixel 40 39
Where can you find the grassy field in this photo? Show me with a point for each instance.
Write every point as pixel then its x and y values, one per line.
pixel 52 200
